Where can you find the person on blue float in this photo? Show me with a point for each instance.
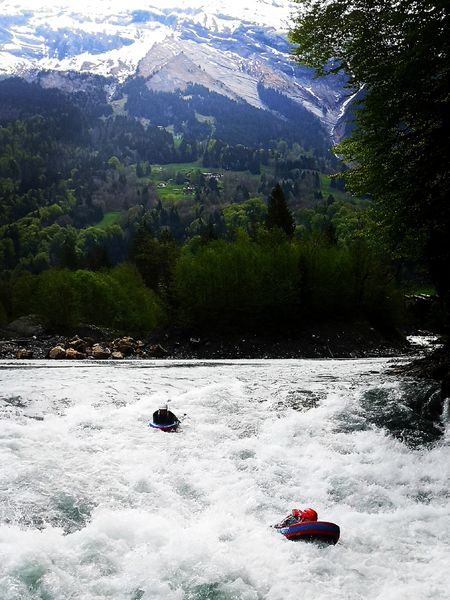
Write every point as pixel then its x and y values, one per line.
pixel 163 416
pixel 298 516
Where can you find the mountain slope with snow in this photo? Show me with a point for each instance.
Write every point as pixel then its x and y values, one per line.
pixel 228 47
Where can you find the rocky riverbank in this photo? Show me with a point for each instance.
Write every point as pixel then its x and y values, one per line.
pixel 434 365
pixel 28 340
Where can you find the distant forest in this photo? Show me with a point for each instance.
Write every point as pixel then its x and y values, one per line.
pixel 185 207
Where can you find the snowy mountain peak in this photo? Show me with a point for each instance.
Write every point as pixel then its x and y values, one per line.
pixel 97 36
pixel 228 46
pixel 264 12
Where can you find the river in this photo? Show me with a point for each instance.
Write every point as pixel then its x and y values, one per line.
pixel 95 505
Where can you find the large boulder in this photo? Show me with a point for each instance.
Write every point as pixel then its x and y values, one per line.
pixel 100 352
pixel 126 345
pixel 78 344
pixel 71 353
pixel 26 326
pixel 57 352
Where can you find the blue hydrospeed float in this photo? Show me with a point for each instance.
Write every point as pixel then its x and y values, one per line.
pixel 164 419
pixel 317 531
pixel 304 525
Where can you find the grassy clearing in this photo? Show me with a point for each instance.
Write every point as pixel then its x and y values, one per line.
pixel 325 186
pixel 109 218
pixel 164 175
pixel 171 193
pixel 205 119
pixel 159 171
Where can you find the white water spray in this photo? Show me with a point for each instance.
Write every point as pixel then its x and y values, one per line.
pixel 94 505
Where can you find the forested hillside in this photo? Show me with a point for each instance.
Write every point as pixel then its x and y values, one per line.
pixel 177 201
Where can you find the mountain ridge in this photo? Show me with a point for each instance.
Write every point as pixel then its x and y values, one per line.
pixel 216 45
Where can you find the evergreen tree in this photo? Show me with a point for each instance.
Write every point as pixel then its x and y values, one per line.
pixel 278 213
pixel 68 257
pixel 139 170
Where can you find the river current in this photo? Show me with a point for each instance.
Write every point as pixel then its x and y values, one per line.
pixel 95 505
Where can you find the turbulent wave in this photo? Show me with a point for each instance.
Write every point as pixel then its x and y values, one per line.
pixel 95 505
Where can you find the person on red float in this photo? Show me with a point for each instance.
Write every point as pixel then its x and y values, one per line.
pixel 298 516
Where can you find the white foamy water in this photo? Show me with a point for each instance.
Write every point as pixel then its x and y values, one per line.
pixel 95 505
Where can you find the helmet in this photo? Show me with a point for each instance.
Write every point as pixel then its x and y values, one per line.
pixel 296 513
pixel 309 514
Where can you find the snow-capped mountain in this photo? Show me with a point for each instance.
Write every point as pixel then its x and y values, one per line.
pixel 227 46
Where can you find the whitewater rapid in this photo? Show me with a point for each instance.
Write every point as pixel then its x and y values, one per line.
pixel 95 505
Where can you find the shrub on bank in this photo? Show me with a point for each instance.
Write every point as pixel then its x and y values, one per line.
pixel 289 282
pixel 64 298
pixel 238 282
pixel 271 282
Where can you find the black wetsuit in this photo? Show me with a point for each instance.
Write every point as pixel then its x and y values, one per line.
pixel 163 416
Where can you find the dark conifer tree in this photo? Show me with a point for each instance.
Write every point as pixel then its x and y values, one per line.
pixel 68 256
pixel 139 170
pixel 278 213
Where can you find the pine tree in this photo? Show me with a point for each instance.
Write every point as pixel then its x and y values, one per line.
pixel 278 213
